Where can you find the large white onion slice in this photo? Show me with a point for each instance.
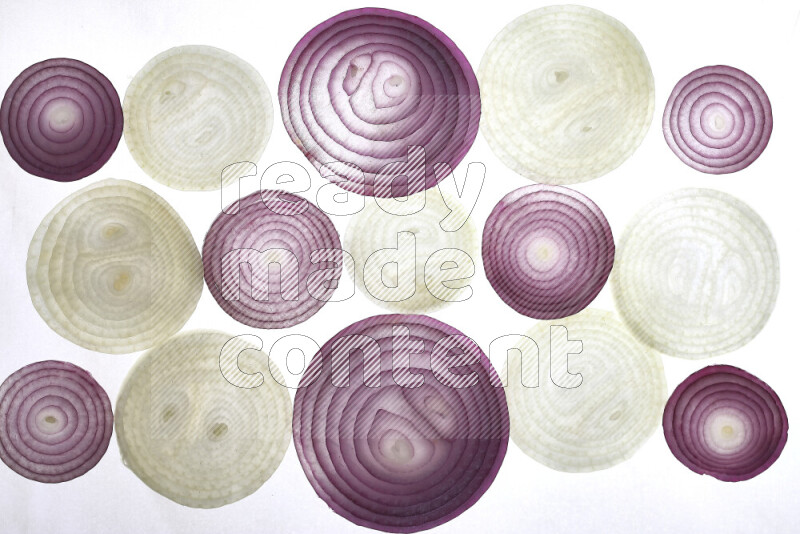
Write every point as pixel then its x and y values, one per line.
pixel 696 273
pixel 193 436
pixel 442 260
pixel 113 268
pixel 592 421
pixel 193 111
pixel 567 94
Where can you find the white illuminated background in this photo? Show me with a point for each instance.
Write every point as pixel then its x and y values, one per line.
pixel 652 492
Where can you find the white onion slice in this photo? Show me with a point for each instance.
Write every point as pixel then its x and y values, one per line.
pixel 567 94
pixel 113 268
pixel 193 111
pixel 191 435
pixel 374 229
pixel 696 273
pixel 591 422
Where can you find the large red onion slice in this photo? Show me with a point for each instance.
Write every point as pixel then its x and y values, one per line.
pixel 392 457
pixel 718 120
pixel 61 119
pixel 365 85
pixel 547 251
pixel 724 422
pixel 55 421
pixel 241 250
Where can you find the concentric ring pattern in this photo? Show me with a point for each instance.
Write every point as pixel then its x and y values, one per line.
pixel 367 84
pixel 61 119
pixel 55 421
pixel 400 451
pixel 547 251
pixel 718 119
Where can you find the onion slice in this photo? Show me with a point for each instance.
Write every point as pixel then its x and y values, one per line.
pixel 724 422
pixel 547 251
pixel 718 119
pixel 193 112
pixel 697 273
pixel 193 436
pixel 399 423
pixel 568 94
pixel 272 227
pixel 61 119
pixel 423 267
pixel 55 421
pixel 592 409
pixel 364 86
pixel 113 268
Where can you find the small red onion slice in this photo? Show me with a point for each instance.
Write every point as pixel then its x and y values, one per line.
pixel 547 251
pixel 718 120
pixel 61 119
pixel 365 85
pixel 724 422
pixel 398 458
pixel 272 227
pixel 55 421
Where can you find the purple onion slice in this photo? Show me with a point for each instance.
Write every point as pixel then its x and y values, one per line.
pixel 55 421
pixel 724 422
pixel 272 227
pixel 408 434
pixel 547 251
pixel 365 85
pixel 61 119
pixel 718 120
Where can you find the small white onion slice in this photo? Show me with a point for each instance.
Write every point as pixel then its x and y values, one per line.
pixel 114 269
pixel 696 273
pixel 191 435
pixel 193 111
pixel 567 94
pixel 374 229
pixel 592 422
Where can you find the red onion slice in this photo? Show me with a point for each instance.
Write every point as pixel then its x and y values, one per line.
pixel 272 227
pixel 724 422
pixel 547 251
pixel 365 85
pixel 55 421
pixel 61 119
pixel 395 458
pixel 718 120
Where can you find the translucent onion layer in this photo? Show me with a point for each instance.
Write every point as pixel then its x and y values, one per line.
pixel 261 262
pixel 547 251
pixel 365 85
pixel 588 422
pixel 374 229
pixel 724 422
pixel 193 112
pixel 61 119
pixel 113 268
pixel 55 421
pixel 697 273
pixel 718 120
pixel 408 434
pixel 193 436
pixel 568 94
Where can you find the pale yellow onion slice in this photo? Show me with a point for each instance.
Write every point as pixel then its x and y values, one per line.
pixel 374 229
pixel 591 422
pixel 696 273
pixel 114 269
pixel 193 436
pixel 567 94
pixel 193 111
